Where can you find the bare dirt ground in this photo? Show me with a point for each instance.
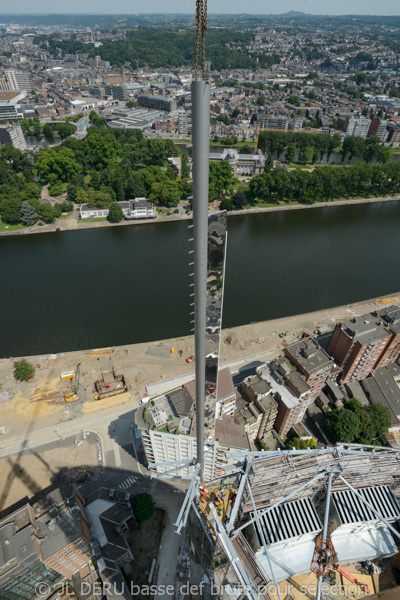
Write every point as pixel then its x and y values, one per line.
pixel 40 402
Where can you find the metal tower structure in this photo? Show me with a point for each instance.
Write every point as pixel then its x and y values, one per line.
pixel 201 147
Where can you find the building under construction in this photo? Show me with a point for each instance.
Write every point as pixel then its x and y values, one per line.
pixel 287 514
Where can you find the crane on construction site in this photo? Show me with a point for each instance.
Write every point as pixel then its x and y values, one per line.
pixel 72 393
pixel 352 578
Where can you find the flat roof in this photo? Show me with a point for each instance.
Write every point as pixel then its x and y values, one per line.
pixel 230 434
pixel 308 354
pixel 365 329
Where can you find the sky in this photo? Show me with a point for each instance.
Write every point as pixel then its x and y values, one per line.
pixel 337 7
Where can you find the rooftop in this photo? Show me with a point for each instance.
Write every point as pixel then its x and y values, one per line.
pixel 365 329
pixel 308 354
pixel 228 433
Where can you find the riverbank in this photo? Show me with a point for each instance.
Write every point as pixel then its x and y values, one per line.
pixel 147 366
pixel 72 223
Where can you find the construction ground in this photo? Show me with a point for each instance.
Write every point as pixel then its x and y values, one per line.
pixel 40 402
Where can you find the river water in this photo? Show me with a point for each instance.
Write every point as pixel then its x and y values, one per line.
pixel 100 287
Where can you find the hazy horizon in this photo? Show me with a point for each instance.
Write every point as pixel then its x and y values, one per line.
pixel 228 7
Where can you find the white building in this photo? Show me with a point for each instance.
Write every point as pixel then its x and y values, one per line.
pixel 9 105
pixel 140 208
pixel 12 134
pixel 358 126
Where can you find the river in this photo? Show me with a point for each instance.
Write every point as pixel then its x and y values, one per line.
pixel 85 289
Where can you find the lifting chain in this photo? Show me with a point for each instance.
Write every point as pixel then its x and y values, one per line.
pixel 201 26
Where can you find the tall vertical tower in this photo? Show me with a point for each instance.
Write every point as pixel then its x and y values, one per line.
pixel 201 148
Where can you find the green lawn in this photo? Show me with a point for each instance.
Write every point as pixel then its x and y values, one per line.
pixel 5 227
pixel 94 220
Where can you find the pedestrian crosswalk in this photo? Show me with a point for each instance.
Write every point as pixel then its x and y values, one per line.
pixel 128 482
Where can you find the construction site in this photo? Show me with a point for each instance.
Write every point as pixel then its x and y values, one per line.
pixel 301 525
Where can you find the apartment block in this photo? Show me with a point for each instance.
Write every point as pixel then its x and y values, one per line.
pixel 274 122
pixel 258 408
pixel 12 134
pixel 290 391
pixel 158 103
pixel 358 344
pixel 118 92
pixel 167 427
pixel 312 362
pixel 358 126
pixel 390 317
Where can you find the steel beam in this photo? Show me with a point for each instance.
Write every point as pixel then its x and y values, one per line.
pixel 372 509
pixel 264 541
pixel 325 528
pixel 285 499
pixel 200 91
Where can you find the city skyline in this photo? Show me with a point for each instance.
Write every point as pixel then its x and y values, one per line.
pixel 310 7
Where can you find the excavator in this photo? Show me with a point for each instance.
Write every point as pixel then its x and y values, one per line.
pixel 72 394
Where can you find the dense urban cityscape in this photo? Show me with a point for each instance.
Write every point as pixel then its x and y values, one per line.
pixel 259 461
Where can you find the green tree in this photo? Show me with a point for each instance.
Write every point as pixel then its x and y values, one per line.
pixel 295 100
pixel 260 101
pixel 269 163
pixel 226 204
pixel 23 370
pixel 115 214
pixel 343 425
pixel 306 154
pixel 143 507
pixel 29 215
pixel 97 119
pixel 10 210
pixel 290 152
pixel 56 189
pixel 60 162
pixel 185 169
pixel 48 131
pixel 380 417
pixel 47 213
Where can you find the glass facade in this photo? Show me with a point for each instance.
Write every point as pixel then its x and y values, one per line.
pixel 217 237
pixel 24 585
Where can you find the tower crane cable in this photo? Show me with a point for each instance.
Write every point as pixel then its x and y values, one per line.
pixel 201 27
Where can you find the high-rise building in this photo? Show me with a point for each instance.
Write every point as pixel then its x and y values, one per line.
pixel 12 134
pixel 184 122
pixel 358 344
pixel 358 126
pixel 118 92
pixel 312 362
pixel 18 80
pixel 390 316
